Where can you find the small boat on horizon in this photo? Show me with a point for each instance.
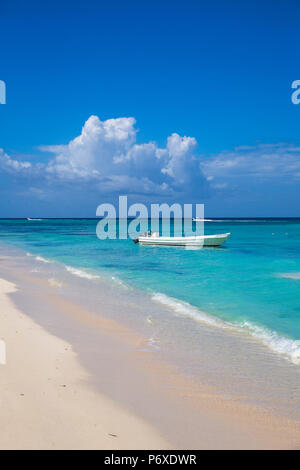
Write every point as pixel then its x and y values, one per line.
pixel 198 219
pixel 28 218
pixel 153 238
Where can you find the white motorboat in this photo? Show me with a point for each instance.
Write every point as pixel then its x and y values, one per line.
pixel 153 238
pixel 197 219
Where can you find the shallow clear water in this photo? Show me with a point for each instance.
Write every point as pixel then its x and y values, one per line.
pixel 253 281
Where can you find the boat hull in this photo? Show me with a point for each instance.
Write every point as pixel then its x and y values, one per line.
pixel 196 241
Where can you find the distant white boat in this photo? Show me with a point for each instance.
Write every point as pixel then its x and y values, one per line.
pixel 197 219
pixel 28 218
pixel 153 238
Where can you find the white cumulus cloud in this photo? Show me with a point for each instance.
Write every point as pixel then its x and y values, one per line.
pixel 107 154
pixel 11 165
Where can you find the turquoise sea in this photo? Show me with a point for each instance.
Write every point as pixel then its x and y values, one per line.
pixel 251 283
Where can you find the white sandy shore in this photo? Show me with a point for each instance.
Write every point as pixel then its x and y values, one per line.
pixel 48 400
pixel 45 400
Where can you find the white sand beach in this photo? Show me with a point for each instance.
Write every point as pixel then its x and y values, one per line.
pixel 45 399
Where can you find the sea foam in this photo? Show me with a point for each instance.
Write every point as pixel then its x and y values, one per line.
pixel 186 309
pixel 287 347
pixel 43 260
pixel 80 273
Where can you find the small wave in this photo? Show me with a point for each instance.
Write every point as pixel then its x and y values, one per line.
pixel 290 275
pixel 80 273
pixel 184 308
pixel 43 260
pixel 287 347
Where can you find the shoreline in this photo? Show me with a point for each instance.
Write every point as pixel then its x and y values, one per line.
pixel 110 362
pixel 278 343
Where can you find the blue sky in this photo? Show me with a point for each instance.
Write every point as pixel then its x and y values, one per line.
pixel 180 101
